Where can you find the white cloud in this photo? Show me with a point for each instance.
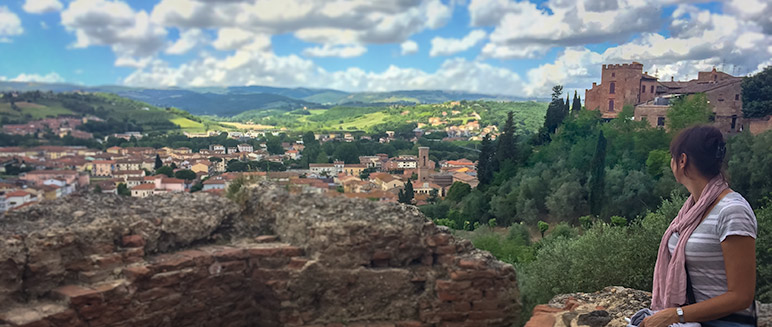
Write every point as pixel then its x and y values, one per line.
pixel 48 78
pixel 130 34
pixel 759 11
pixel 42 6
pixel 187 41
pixel 335 51
pixel 335 22
pixel 236 38
pixel 445 47
pixel 408 47
pixel 524 30
pixel 10 24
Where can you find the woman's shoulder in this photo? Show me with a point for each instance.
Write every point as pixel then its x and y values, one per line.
pixel 735 216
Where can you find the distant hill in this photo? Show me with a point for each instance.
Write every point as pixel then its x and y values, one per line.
pixel 119 114
pixel 232 101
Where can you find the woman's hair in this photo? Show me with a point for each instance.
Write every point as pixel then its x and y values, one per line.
pixel 704 147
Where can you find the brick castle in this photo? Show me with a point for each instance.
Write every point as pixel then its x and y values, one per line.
pixel 628 84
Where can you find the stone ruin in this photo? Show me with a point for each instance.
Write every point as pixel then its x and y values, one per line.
pixel 275 260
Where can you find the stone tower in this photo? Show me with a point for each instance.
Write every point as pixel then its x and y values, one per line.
pixel 423 164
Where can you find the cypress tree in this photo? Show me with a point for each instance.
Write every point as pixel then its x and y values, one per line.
pixel 598 176
pixel 555 110
pixel 484 162
pixel 577 105
pixel 158 162
pixel 406 195
pixel 567 109
pixel 506 149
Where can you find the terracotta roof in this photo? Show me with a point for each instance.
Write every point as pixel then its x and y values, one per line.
pixel 103 162
pixel 16 193
pixel 142 187
pixel 49 172
pixel 128 172
pixel 213 181
pixel 172 181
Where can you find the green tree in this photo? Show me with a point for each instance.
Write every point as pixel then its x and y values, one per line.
pixel 97 189
pixel 555 112
pixel 236 165
pixel 507 142
pixel 433 196
pixel 158 162
pixel 406 194
pixel 597 175
pixel 458 191
pixel 757 94
pixel 687 111
pixel 273 145
pixel 543 227
pixel 123 190
pixel 577 105
pixel 485 165
pixel 165 170
pixel 322 158
pixel 215 159
pixel 198 186
pixel 185 174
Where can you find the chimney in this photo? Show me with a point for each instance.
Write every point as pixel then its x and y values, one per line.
pixel 594 84
pixel 672 78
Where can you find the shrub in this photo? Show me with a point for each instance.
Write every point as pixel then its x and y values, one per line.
pixel 618 221
pixel 519 231
pixel 445 222
pixel 764 254
pixel 509 250
pixel 543 227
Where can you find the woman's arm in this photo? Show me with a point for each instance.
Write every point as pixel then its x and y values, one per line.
pixel 740 265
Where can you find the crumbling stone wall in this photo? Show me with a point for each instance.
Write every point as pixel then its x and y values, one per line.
pixel 278 260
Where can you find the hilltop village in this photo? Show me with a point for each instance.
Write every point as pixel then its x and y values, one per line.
pixel 49 172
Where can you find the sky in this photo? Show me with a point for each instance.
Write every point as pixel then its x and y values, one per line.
pixel 508 47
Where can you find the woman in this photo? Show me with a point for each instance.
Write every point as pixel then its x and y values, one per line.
pixel 706 266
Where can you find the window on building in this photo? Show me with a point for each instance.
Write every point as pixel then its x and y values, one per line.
pixel 610 105
pixel 613 74
pixel 611 87
pixel 652 89
pixel 643 89
pixel 660 121
pixel 734 121
pixel 715 78
pixel 736 97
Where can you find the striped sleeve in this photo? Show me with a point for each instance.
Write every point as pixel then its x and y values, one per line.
pixel 736 219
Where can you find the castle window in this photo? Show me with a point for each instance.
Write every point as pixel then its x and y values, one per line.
pixel 611 105
pixel 611 88
pixel 652 89
pixel 736 97
pixel 643 89
pixel 734 121
pixel 613 74
pixel 660 121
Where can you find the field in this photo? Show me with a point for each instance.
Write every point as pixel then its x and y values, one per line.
pixel 242 126
pixel 34 110
pixel 188 125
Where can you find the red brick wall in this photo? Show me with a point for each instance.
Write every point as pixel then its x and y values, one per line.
pixel 626 79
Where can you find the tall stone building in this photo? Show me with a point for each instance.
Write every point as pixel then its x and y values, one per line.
pixel 628 84
pixel 423 164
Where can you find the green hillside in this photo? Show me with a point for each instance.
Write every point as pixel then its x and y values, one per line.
pixel 119 114
pixel 529 116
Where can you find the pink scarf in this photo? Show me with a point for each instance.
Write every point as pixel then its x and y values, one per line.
pixel 669 288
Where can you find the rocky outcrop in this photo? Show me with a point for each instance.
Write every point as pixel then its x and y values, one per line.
pixel 608 307
pixel 278 260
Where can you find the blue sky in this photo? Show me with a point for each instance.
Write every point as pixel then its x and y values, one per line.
pixel 489 46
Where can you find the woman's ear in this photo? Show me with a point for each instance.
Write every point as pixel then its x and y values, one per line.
pixel 682 162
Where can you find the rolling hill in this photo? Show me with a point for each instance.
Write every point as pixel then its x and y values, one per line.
pixel 232 101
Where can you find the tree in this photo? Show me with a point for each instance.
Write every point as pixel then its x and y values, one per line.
pixel 597 175
pixel 577 105
pixel 236 165
pixel 406 195
pixel 173 165
pixel 158 162
pixel 687 111
pixel 215 159
pixel 185 174
pixel 555 111
pixel 757 94
pixel 433 196
pixel 198 186
pixel 507 143
pixel 123 190
pixel 458 191
pixel 543 227
pixel 97 189
pixel 567 110
pixel 485 161
pixel 165 170
pixel 273 145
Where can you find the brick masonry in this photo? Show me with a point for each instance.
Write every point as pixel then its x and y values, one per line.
pixel 421 276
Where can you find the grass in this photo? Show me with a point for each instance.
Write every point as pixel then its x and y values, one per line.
pixel 365 121
pixel 35 110
pixel 188 125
